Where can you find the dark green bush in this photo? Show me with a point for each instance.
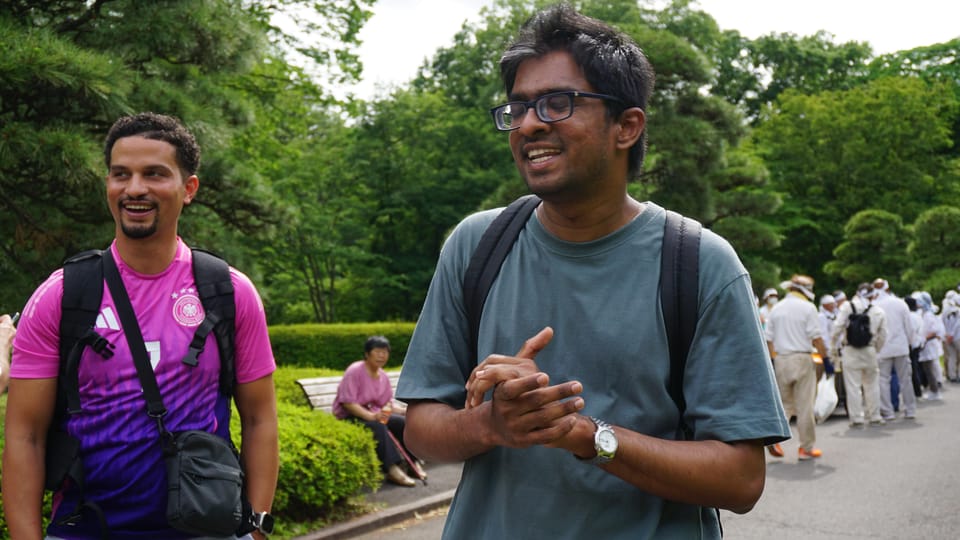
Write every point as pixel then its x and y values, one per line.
pixel 323 461
pixel 335 346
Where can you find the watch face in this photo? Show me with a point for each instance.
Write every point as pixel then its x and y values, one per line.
pixel 266 523
pixel 607 441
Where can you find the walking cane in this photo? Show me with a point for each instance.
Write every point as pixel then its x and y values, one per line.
pixel 409 459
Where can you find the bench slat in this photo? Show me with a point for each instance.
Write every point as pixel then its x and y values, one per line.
pixel 322 391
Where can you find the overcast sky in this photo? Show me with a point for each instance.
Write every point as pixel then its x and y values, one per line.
pixel 402 33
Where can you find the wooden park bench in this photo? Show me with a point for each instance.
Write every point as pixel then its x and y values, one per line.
pixel 321 391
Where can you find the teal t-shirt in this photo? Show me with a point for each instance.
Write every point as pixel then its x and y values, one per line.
pixel 602 300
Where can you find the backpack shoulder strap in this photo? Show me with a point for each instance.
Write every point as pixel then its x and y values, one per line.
pixel 679 295
pixel 215 289
pixel 494 245
pixel 82 292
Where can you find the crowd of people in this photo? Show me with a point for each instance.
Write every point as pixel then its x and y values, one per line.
pixel 888 352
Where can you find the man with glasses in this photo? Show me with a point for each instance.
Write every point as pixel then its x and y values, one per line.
pixel 576 435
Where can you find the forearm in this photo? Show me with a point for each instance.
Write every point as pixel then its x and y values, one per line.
pixel 707 473
pixel 438 432
pixel 23 469
pixel 261 463
pixel 259 445
pixel 821 347
pixel 361 412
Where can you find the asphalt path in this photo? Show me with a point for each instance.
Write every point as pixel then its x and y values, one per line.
pixel 893 482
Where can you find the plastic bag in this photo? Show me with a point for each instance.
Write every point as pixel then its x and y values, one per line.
pixel 827 399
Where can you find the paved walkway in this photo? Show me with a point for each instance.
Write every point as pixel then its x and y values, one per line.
pixel 401 503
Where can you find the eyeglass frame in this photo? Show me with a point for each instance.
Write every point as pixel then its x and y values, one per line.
pixel 533 104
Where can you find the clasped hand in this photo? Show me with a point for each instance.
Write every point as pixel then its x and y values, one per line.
pixel 525 409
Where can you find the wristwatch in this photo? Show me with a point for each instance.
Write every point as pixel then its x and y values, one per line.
pixel 263 522
pixel 604 442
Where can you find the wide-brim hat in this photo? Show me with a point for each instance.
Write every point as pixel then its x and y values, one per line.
pixel 800 283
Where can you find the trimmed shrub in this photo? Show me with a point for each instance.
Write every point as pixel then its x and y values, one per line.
pixel 335 346
pixel 323 461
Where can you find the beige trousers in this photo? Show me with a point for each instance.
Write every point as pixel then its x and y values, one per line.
pixel 797 380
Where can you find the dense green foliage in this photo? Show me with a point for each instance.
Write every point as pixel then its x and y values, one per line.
pixel 337 208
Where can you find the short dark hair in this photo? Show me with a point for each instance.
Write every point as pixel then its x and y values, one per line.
pixel 159 127
pixel 612 62
pixel 911 302
pixel 376 342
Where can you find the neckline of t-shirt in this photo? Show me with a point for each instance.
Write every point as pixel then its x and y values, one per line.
pixel 127 270
pixel 651 214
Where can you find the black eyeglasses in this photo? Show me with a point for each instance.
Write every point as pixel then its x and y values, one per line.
pixel 552 107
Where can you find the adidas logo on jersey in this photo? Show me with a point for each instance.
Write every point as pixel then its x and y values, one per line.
pixel 107 319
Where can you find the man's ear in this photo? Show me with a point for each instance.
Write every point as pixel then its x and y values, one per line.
pixel 632 123
pixel 191 186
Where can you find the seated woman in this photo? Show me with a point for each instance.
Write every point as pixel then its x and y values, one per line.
pixel 365 396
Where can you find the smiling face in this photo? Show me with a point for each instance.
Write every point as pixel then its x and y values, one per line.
pixel 146 189
pixel 573 158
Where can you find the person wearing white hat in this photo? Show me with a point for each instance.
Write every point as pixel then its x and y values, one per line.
pixel 951 341
pixel 933 333
pixel 770 299
pixel 895 354
pixel 860 369
pixel 793 329
pixel 827 315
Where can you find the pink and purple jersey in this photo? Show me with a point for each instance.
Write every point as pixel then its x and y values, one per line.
pixel 123 466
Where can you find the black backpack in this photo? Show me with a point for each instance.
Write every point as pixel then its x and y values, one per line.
pixel 82 294
pixel 858 327
pixel 679 281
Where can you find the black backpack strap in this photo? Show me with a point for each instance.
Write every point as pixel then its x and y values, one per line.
pixel 679 300
pixel 215 289
pixel 82 292
pixel 494 245
pixel 80 306
pixel 679 297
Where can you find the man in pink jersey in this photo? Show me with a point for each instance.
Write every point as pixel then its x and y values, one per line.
pixel 152 162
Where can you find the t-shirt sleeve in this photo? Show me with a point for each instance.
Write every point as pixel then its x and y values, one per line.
pixel 729 386
pixel 438 360
pixel 254 354
pixel 36 347
pixel 350 389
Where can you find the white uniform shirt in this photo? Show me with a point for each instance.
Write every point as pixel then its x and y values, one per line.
pixel 899 325
pixel 793 325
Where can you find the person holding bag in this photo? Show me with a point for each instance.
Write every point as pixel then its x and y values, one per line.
pixel 149 332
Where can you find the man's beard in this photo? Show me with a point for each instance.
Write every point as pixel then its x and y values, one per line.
pixel 139 231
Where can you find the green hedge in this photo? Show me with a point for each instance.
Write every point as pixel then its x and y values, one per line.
pixel 335 346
